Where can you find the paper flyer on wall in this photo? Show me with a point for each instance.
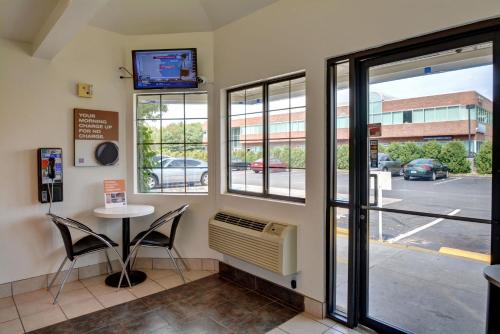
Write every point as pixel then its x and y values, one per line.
pixel 114 193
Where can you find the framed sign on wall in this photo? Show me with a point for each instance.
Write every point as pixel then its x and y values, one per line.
pixel 96 138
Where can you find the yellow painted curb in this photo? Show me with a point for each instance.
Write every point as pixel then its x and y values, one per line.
pixel 467 254
pixel 342 231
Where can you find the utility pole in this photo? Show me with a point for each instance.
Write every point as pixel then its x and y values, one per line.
pixel 469 108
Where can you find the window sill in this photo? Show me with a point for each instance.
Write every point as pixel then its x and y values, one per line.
pixel 170 194
pixel 267 199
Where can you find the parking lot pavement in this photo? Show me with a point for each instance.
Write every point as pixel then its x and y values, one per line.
pixel 468 196
pixel 420 291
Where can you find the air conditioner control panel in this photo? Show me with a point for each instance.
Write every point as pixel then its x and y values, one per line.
pixel 275 229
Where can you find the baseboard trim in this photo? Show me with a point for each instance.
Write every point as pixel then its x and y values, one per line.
pixel 41 282
pixel 272 290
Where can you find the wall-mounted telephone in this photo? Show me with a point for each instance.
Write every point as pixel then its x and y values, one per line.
pixel 50 175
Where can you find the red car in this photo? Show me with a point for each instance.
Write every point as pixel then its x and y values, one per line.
pixel 257 166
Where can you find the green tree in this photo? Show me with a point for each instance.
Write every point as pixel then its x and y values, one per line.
pixel 145 157
pixel 432 150
pixel 174 133
pixel 484 159
pixel 150 110
pixel 343 156
pixel 404 152
pixel 455 156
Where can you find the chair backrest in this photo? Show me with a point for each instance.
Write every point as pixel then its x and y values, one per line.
pixel 177 218
pixel 65 234
pixel 174 216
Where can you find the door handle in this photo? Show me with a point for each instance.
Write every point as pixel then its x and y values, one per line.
pixel 375 190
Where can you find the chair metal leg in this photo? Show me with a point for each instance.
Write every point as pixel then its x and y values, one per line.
pixel 64 280
pixel 135 258
pixel 109 265
pixel 176 266
pixel 58 272
pixel 180 257
pixel 124 269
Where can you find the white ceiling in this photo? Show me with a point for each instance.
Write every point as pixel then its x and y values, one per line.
pixel 132 17
pixel 20 20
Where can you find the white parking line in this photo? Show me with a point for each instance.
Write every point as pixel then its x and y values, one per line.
pixel 449 180
pixel 421 228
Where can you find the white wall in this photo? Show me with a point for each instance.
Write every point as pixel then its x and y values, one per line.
pixel 37 98
pixel 192 237
pixel 293 35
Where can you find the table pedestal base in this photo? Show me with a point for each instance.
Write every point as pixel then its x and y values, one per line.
pixel 136 277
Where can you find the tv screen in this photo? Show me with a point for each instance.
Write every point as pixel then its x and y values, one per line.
pixel 163 69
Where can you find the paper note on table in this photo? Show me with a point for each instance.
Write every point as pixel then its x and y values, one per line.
pixel 114 193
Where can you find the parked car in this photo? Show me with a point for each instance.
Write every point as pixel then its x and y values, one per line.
pixel 386 164
pixel 258 165
pixel 170 171
pixel 425 168
pixel 239 164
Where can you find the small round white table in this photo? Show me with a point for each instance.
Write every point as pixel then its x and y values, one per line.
pixel 125 213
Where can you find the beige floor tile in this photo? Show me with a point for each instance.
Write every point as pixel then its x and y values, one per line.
pixel 276 331
pixel 68 297
pixel 29 284
pixel 70 286
pixel 159 273
pixel 43 319
pixel 5 290
pixel 334 331
pixel 11 327
pixel 34 302
pixel 115 298
pixel 73 277
pixel 146 288
pixel 8 309
pixel 194 275
pixel 101 289
pixel 302 324
pixel 340 329
pixel 88 282
pixel 6 302
pixel 170 281
pixel 81 307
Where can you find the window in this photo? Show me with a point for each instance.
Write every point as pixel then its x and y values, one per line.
pixel 267 156
pixel 172 142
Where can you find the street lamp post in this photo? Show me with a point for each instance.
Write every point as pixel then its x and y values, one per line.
pixel 469 108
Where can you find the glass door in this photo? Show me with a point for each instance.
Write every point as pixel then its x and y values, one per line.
pixel 426 151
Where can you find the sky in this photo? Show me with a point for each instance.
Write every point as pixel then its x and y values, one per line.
pixel 479 79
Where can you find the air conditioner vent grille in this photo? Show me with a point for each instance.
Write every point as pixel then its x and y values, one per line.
pixel 239 221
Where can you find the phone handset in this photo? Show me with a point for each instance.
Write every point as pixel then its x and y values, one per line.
pixel 51 174
pixel 51 170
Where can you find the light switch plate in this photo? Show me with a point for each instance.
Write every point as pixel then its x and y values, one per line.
pixel 84 90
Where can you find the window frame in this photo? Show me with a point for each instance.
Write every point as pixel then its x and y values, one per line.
pixel 136 143
pixel 265 139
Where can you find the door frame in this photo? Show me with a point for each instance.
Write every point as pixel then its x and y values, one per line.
pixel 359 62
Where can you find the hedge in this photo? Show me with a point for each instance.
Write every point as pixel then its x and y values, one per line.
pixel 484 159
pixel 453 154
pixel 296 158
pixel 405 152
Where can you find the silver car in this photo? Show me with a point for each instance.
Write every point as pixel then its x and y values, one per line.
pixel 170 171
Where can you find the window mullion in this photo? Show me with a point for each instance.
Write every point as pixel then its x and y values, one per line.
pixel 265 159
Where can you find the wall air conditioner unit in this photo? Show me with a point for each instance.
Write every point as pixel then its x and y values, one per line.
pixel 270 245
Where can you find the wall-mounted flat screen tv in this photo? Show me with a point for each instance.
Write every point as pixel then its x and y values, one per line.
pixel 164 69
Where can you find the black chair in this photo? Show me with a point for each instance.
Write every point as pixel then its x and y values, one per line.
pixel 152 238
pixel 91 243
